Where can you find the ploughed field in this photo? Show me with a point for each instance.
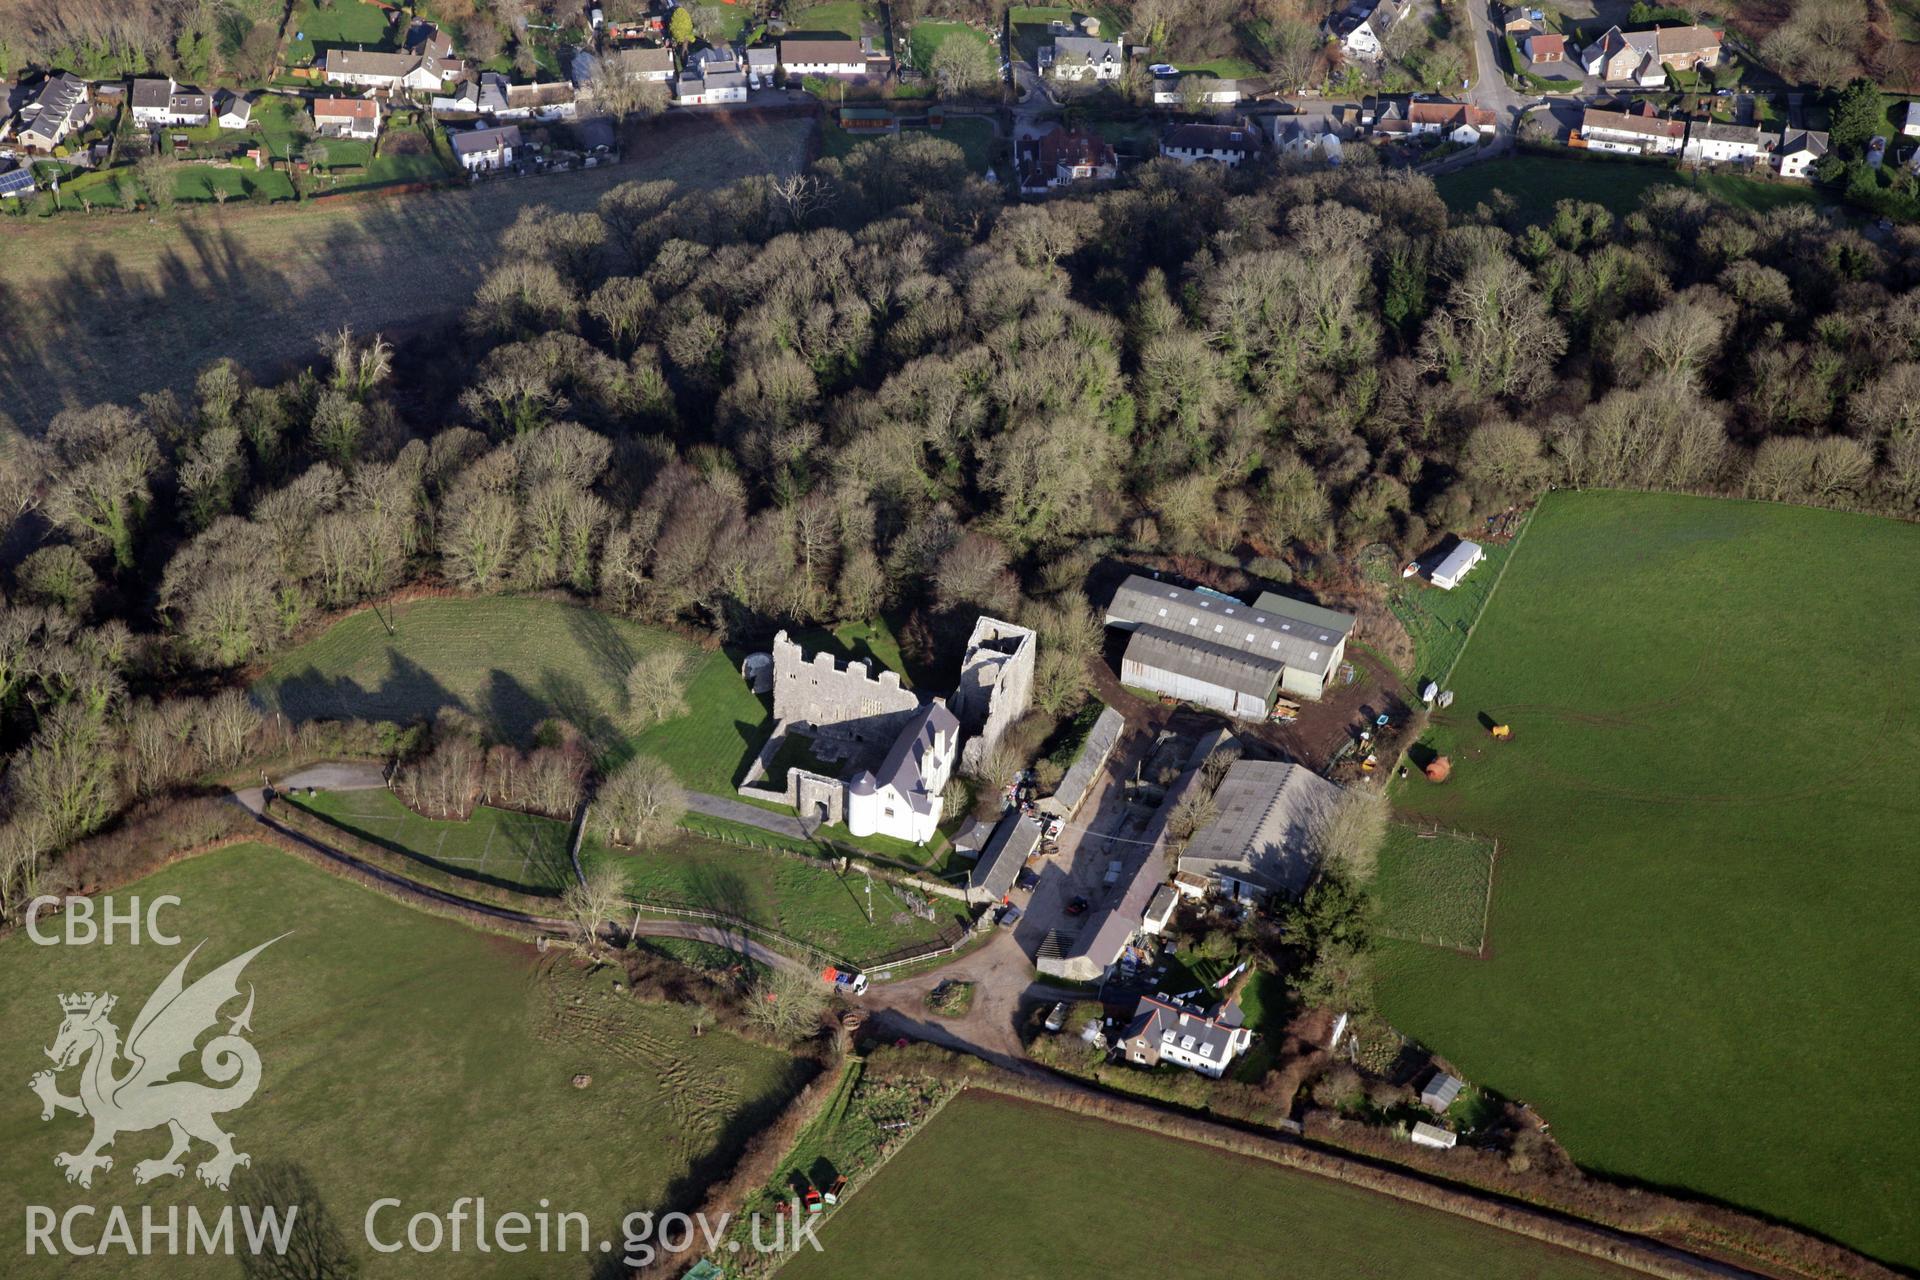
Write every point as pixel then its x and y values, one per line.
pixel 1702 965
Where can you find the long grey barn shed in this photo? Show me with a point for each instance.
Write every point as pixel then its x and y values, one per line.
pixel 1217 651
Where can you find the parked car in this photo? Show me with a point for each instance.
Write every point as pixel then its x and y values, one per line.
pixel 1027 878
pixel 1078 907
pixel 844 981
pixel 1058 1018
pixel 1163 69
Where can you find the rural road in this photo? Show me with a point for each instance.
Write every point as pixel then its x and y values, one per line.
pixel 372 777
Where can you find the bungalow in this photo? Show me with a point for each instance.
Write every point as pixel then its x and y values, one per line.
pixel 60 107
pixel 707 82
pixel 427 63
pixel 1799 151
pixel 1517 20
pixel 1163 1030
pixel 1083 57
pixel 1717 143
pixel 1061 157
pixel 162 102
pixel 648 65
pixel 1226 144
pixel 1542 49
pixel 1644 57
pixel 843 57
pixel 761 64
pixel 357 118
pixel 232 110
pixel 1631 133
pixel 479 150
pixel 1202 90
pixel 1362 28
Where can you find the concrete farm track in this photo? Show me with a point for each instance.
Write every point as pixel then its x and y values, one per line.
pixel 106 306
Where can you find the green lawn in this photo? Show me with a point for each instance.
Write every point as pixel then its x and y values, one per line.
pixel 199 182
pixel 930 1214
pixel 1538 182
pixel 1433 887
pixel 1706 892
pixel 515 850
pixel 842 17
pixel 311 29
pixel 1437 620
pixel 274 119
pixel 796 898
pixel 512 662
pixel 925 39
pixel 403 1056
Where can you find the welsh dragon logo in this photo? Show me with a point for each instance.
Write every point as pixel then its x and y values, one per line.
pixel 144 1095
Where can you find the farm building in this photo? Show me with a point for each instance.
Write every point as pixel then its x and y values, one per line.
pixel 1012 843
pixel 1217 651
pixel 1447 574
pixel 1086 766
pixel 1262 842
pixel 1439 1092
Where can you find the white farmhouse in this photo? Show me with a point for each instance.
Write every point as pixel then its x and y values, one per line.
pixel 902 798
pixel 1221 143
pixel 1631 133
pixel 162 102
pixel 1717 143
pixel 1164 1030
pixel 483 149
pixel 1799 151
pixel 1362 28
pixel 1083 57
pixel 822 58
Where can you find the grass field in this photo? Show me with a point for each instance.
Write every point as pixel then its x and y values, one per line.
pixel 796 898
pixel 835 17
pixel 516 850
pixel 512 662
pixel 925 39
pixel 89 302
pixel 1702 963
pixel 1438 621
pixel 403 1056
pixel 1538 182
pixel 311 29
pixel 1250 1218
pixel 1433 888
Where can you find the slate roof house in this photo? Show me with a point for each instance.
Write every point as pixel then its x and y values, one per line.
pixel 427 63
pixel 1164 1030
pixel 482 149
pixel 58 108
pixel 1220 652
pixel 1362 27
pixel 232 110
pixel 1226 144
pixel 706 82
pixel 1799 151
pixel 1631 133
pixel 1712 141
pixel 162 102
pixel 823 58
pixel 1083 57
pixel 1061 157
pixel 1263 841
pixel 1013 841
pixel 901 797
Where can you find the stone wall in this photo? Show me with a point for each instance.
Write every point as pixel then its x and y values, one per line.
pixel 823 698
pixel 996 684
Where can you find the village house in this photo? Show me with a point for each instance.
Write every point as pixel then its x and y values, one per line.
pixel 357 118
pixel 1298 141
pixel 162 102
pixel 1227 144
pixel 1362 27
pixel 1644 57
pixel 648 65
pixel 761 64
pixel 481 150
pixel 232 110
pixel 1084 56
pixel 1799 151
pixel 1715 143
pixel 1163 1030
pixel 426 64
pixel 59 108
pixel 1262 842
pixel 1456 121
pixel 1217 651
pixel 709 81
pixel 842 57
pixel 1631 133
pixel 1518 20
pixel 484 95
pixel 1061 157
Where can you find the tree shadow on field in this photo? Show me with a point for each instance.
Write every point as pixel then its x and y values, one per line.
pixel 573 702
pixel 316 1247
pixel 510 709
pixel 609 650
pixel 407 693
